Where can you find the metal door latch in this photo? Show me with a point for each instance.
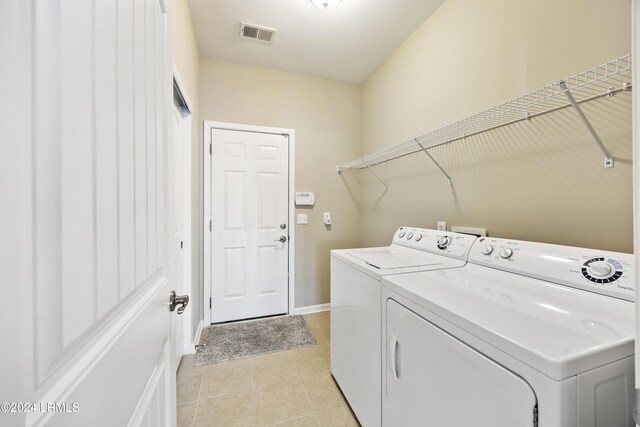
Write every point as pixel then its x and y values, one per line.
pixel 178 300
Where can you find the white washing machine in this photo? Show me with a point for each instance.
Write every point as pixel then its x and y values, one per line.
pixel 526 334
pixel 356 300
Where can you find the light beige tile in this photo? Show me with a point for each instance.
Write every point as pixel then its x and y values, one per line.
pixel 234 409
pixel 281 401
pixel 312 359
pixel 188 386
pixel 225 377
pixel 186 414
pixel 337 417
pixel 307 421
pixel 322 333
pixel 273 367
pixel 322 391
pixel 188 365
pixel 321 318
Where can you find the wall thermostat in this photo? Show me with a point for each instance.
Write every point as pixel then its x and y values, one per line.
pixel 305 198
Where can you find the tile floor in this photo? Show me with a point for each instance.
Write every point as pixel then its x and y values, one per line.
pixel 292 388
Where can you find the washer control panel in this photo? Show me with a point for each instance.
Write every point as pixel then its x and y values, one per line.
pixel 606 273
pixel 454 245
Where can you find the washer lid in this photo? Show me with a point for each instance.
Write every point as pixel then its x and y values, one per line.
pixel 395 257
pixel 557 330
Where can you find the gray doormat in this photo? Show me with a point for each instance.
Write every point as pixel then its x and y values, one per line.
pixel 235 340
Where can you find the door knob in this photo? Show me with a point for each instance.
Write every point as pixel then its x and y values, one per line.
pixel 178 300
pixel 283 226
pixel 281 239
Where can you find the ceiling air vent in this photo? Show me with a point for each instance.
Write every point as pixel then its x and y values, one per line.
pixel 257 33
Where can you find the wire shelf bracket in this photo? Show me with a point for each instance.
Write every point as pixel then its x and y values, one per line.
pixel 608 158
pixel 434 161
pixel 377 176
pixel 605 80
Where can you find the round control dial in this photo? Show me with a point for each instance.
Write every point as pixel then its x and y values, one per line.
pixel 487 249
pixel 601 270
pixel 443 242
pixel 418 237
pixel 506 253
pixel 409 235
pixel 401 234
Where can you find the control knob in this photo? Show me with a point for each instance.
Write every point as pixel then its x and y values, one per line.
pixel 487 249
pixel 401 234
pixel 443 242
pixel 505 253
pixel 418 237
pixel 409 235
pixel 600 268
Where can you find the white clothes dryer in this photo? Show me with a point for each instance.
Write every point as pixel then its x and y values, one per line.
pixel 356 306
pixel 526 334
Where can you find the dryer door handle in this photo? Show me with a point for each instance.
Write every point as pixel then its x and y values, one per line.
pixel 394 348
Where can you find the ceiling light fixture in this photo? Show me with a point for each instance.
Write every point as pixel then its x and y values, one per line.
pixel 326 4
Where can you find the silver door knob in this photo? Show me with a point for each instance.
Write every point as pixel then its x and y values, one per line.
pixel 178 300
pixel 283 226
pixel 281 239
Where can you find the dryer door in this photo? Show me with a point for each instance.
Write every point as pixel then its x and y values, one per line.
pixel 433 379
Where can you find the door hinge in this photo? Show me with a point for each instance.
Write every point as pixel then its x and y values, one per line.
pixel 209 225
pixel 535 416
pixel 209 302
pixel 210 149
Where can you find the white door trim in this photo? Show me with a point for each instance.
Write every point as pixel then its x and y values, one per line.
pixel 635 55
pixel 206 138
pixel 187 257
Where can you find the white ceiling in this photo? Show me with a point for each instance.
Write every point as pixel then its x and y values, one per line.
pixel 346 43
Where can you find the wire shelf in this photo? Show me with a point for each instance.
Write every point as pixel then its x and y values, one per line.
pixel 604 80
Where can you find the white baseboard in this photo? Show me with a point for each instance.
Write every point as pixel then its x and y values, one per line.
pixel 197 340
pixel 312 309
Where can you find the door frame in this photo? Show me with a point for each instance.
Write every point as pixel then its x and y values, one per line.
pixel 206 150
pixel 187 257
pixel 635 55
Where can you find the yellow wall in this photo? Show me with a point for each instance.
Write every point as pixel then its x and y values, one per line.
pixel 326 117
pixel 186 63
pixel 540 181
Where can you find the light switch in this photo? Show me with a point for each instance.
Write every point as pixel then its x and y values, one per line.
pixel 327 218
pixel 302 218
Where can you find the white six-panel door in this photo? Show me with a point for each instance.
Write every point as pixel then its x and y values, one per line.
pixel 90 214
pixel 249 263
